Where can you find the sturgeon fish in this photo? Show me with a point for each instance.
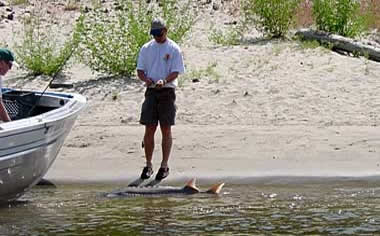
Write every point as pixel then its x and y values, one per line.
pixel 188 189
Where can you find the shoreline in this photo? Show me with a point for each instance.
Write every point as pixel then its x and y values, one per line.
pixel 229 180
pixel 228 153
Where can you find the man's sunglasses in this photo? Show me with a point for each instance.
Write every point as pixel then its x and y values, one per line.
pixel 157 32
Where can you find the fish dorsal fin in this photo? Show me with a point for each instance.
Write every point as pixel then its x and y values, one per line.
pixel 215 189
pixel 191 185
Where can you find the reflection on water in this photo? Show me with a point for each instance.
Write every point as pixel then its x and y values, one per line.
pixel 313 208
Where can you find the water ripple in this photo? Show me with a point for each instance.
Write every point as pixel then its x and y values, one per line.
pixel 245 210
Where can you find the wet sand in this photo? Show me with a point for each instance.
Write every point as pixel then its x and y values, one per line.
pixel 227 153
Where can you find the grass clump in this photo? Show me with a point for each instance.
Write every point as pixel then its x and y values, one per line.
pixel 40 50
pixel 72 5
pixel 310 44
pixel 229 37
pixel 111 39
pixel 210 73
pixel 342 17
pixel 273 17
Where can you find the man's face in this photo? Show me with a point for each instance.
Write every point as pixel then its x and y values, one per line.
pixel 5 66
pixel 160 36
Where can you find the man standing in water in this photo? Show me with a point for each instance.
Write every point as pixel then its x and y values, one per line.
pixel 160 62
pixel 6 61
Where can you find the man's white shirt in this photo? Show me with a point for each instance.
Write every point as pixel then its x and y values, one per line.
pixel 159 60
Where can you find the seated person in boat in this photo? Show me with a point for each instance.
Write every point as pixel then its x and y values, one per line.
pixel 6 61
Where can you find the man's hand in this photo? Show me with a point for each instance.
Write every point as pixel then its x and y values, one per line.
pixel 160 83
pixel 148 82
pixel 141 74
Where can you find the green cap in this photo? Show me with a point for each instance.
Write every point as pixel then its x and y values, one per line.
pixel 6 55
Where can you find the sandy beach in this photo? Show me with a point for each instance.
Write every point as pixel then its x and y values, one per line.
pixel 270 108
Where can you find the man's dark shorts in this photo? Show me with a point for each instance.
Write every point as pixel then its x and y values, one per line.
pixel 159 105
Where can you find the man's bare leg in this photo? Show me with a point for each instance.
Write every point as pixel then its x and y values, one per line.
pixel 166 144
pixel 149 143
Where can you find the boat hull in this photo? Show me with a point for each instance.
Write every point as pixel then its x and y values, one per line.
pixel 29 146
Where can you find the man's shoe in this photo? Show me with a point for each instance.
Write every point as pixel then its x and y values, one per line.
pixel 162 173
pixel 147 172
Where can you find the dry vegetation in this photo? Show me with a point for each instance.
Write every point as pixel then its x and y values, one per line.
pixel 374 7
pixel 304 16
pixel 305 19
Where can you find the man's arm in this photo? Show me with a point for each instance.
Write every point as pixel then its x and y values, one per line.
pixel 172 76
pixel 3 112
pixel 144 78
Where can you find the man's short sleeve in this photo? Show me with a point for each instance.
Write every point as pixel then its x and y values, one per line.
pixel 141 60
pixel 178 62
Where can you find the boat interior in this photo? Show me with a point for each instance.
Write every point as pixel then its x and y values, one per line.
pixel 23 104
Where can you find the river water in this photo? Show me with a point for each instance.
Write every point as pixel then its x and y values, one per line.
pixel 321 207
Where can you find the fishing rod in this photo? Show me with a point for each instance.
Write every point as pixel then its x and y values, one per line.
pixel 51 81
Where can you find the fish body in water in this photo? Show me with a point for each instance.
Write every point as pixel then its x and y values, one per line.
pixel 189 189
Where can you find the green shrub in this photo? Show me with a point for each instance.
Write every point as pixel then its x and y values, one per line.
pixel 179 16
pixel 40 50
pixel 111 39
pixel 339 16
pixel 273 17
pixel 230 37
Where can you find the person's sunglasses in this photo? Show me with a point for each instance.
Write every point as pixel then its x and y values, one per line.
pixel 157 33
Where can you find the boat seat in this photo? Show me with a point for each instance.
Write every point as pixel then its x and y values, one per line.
pixel 18 106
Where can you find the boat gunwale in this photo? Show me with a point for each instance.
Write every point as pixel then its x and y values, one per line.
pixel 75 103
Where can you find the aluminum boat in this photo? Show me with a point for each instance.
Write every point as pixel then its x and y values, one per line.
pixel 30 143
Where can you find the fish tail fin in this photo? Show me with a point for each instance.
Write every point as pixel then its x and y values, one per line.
pixel 190 186
pixel 215 189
